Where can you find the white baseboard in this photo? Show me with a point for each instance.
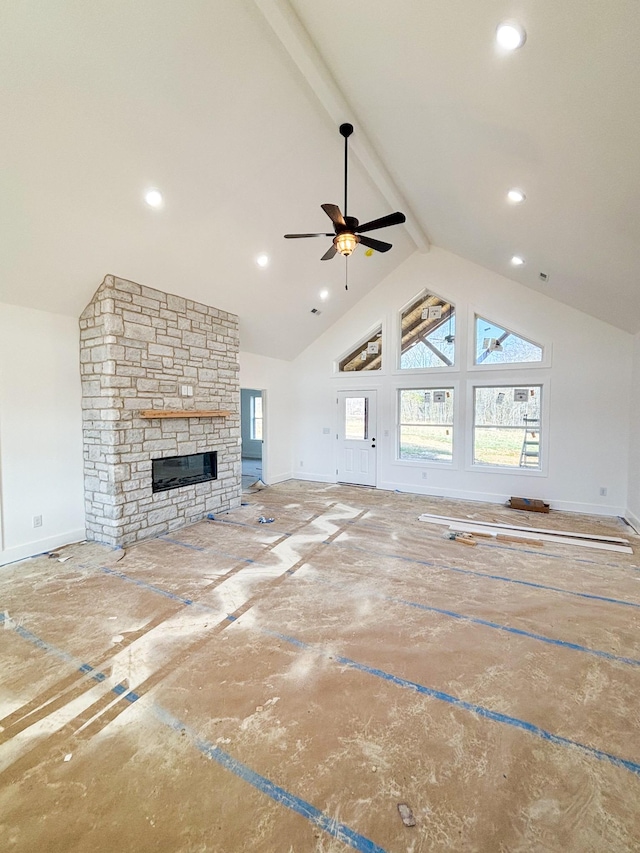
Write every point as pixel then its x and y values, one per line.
pixel 490 497
pixel 632 519
pixel 41 546
pixel 485 497
pixel 278 478
pixel 588 509
pixel 314 478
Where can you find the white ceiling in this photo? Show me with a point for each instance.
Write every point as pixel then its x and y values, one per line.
pixel 202 99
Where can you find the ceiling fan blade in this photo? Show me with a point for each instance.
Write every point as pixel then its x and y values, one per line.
pixel 331 251
pixel 333 212
pixel 396 218
pixel 293 236
pixel 378 245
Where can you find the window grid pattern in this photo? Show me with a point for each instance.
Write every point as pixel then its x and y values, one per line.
pixel 426 424
pixel 507 425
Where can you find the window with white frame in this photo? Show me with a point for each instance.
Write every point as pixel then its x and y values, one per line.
pixel 497 345
pixel 506 426
pixel 367 355
pixel 426 424
pixel 428 333
pixel 256 418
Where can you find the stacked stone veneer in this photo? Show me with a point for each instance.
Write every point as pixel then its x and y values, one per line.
pixel 138 348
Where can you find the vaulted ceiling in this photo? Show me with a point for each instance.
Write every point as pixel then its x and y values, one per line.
pixel 232 107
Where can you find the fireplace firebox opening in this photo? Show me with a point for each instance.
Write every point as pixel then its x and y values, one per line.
pixel 173 472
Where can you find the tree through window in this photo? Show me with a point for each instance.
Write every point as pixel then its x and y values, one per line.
pixel 507 423
pixel 426 424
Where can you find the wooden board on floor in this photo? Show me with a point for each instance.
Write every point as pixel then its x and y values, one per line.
pixel 443 519
pixel 542 537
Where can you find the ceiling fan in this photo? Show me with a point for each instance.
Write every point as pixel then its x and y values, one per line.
pixel 347 229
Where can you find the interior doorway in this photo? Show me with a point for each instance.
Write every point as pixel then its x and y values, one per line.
pixel 252 435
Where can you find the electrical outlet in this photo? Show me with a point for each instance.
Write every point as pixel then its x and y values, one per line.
pixel 603 491
pixel 37 521
pixel 424 475
pixel 301 464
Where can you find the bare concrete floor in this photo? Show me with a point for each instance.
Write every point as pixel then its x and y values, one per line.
pixel 239 686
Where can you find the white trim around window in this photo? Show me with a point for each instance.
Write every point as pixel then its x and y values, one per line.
pixel 429 387
pixel 507 386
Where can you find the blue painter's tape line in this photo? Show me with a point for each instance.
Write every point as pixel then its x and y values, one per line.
pixel 240 524
pixel 551 556
pixel 84 668
pixel 47 647
pixel 181 544
pixel 330 825
pixel 118 689
pixel 210 550
pixel 517 631
pixel 228 521
pixel 520 632
pixel 159 591
pixel 144 585
pixel 336 829
pixel 481 711
pixel 487 576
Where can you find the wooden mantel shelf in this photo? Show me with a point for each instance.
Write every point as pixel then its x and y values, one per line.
pixel 184 413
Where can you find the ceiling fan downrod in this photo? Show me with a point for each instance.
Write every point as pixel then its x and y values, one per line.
pixel 346 130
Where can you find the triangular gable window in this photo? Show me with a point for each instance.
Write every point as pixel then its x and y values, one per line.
pixel 496 345
pixel 366 356
pixel 428 330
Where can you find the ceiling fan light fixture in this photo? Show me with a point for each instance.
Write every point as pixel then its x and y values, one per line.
pixel 345 243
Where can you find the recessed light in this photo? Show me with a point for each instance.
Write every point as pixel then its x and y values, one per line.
pixel 324 294
pixel 262 260
pixel 510 35
pixel 153 198
pixel 516 196
pixel 517 261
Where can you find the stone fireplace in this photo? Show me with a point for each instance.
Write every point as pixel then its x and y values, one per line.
pixel 161 396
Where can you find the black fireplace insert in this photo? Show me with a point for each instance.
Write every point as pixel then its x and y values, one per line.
pixel 175 471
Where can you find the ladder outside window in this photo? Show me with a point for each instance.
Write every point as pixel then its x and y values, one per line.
pixel 530 453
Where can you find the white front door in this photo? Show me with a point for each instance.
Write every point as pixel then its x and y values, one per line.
pixel 357 437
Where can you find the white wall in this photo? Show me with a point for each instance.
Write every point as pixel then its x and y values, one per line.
pixel 634 443
pixel 587 390
pixel 274 378
pixel 40 432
